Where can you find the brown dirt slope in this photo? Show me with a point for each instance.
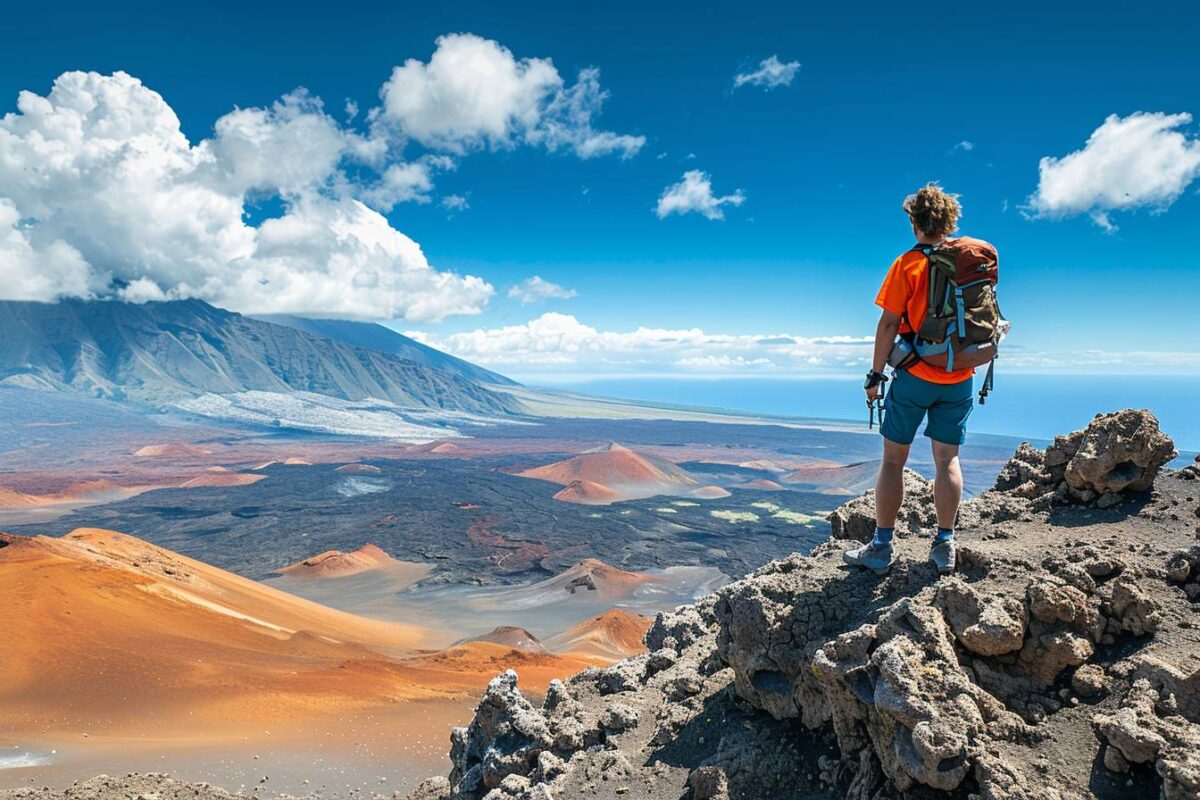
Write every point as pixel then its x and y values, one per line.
pixel 1060 661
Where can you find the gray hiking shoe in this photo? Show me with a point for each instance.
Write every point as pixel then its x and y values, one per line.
pixel 876 557
pixel 944 556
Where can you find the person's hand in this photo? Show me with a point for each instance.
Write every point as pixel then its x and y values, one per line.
pixel 872 394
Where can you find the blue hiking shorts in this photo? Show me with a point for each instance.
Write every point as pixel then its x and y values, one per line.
pixel 910 399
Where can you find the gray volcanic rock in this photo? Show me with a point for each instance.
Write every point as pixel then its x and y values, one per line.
pixel 1142 731
pixel 159 353
pixel 1116 453
pixel 856 518
pixel 1062 645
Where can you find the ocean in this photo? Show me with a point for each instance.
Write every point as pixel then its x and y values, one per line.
pixel 1030 406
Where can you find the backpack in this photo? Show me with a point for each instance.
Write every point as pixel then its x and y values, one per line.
pixel 963 325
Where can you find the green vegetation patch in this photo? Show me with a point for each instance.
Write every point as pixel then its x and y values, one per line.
pixel 734 517
pixel 794 517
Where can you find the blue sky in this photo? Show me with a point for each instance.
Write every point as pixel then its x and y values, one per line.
pixel 876 107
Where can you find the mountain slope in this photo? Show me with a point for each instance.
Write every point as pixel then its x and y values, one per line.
pixel 160 353
pixel 100 625
pixel 371 336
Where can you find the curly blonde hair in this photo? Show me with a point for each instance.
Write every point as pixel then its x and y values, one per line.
pixel 933 211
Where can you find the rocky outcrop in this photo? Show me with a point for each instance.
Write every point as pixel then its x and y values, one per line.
pixel 1115 454
pixel 1146 730
pixel 856 518
pixel 1061 661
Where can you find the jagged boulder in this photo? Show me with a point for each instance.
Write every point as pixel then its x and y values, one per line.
pixel 436 788
pixel 1025 474
pixel 901 679
pixel 1183 569
pixel 504 738
pixel 987 624
pixel 856 518
pixel 1138 734
pixel 1115 453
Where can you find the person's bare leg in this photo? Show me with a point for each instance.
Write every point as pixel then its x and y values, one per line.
pixel 947 484
pixel 889 486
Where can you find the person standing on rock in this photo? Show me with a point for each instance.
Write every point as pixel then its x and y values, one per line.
pixel 919 389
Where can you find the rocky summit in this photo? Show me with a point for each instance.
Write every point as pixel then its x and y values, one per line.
pixel 1062 660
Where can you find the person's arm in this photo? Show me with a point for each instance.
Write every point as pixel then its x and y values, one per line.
pixel 885 337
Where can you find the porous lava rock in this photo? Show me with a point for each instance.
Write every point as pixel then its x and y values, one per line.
pixel 856 518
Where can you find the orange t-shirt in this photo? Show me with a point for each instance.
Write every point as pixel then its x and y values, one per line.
pixel 906 289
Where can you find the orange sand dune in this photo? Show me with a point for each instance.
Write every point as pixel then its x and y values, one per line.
pixel 588 493
pixel 103 630
pixel 338 564
pixel 77 491
pixel 10 498
pixel 764 465
pixel 613 465
pixel 172 450
pixel 509 636
pixel 764 484
pixel 612 635
pixel 841 479
pixel 437 448
pixel 219 476
pixel 590 579
pixel 592 574
pixel 613 472
pixel 710 493
pixel 473 664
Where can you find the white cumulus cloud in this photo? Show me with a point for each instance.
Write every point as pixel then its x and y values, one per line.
pixel 1142 160
pixel 536 289
pixel 30 271
pixel 406 182
pixel 771 74
pixel 694 193
pixel 474 92
pixel 288 147
pixel 556 341
pixel 102 194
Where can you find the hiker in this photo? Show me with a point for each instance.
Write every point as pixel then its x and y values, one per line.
pixel 933 334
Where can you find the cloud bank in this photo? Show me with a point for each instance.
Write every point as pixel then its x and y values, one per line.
pixel 559 347
pixel 102 194
pixel 553 341
pixel 771 74
pixel 1139 161
pixel 694 193
pixel 536 289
